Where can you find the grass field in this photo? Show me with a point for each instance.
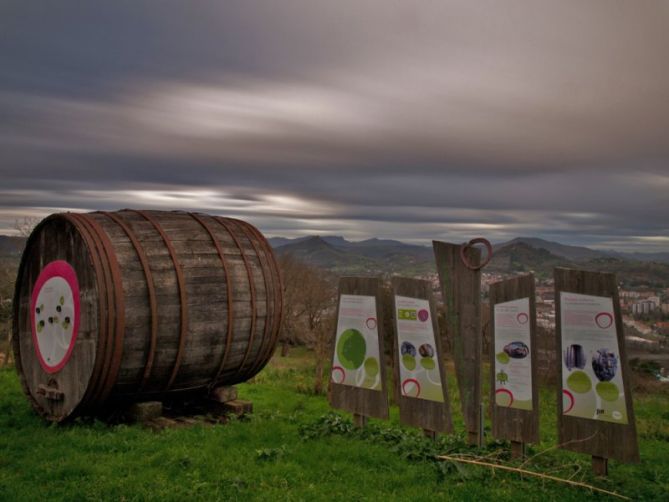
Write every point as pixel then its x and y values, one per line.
pixel 293 449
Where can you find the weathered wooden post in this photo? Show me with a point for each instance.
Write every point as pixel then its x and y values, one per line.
pixel 459 268
pixel 595 412
pixel 358 382
pixel 420 376
pixel 514 400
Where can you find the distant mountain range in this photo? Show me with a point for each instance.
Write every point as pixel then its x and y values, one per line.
pixel 385 256
pixel 11 246
pixel 581 254
pixel 523 254
pixel 370 256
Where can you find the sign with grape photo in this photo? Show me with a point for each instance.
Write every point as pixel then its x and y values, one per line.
pixel 356 359
pixel 592 381
pixel 419 369
pixel 513 358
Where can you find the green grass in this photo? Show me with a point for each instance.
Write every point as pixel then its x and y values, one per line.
pixel 288 451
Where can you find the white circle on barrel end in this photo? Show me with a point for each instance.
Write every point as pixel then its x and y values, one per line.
pixel 617 415
pixel 55 315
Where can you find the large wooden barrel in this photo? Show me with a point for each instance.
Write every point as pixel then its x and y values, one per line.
pixel 135 305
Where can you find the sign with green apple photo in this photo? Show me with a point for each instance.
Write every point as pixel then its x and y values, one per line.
pixel 356 360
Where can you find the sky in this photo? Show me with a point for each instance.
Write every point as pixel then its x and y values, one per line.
pixel 406 120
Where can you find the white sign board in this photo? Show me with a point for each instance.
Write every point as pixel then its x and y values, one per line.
pixel 419 367
pixel 592 383
pixel 356 359
pixel 513 355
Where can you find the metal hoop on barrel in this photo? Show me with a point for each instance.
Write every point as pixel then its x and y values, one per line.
pixel 471 243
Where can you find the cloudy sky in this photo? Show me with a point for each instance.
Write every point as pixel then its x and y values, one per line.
pixel 409 120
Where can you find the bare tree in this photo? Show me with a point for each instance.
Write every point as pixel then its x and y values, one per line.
pixel 293 308
pixel 25 227
pixel 309 306
pixel 7 274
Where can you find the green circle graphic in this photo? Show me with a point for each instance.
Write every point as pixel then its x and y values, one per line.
pixel 502 357
pixel 427 363
pixel 371 366
pixel 351 349
pixel 579 382
pixel 608 391
pixel 503 399
pixel 409 362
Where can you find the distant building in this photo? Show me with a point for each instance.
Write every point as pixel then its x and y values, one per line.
pixel 643 307
pixel 655 300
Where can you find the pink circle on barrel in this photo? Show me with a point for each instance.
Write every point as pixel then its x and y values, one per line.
pixel 64 270
pixel 423 315
pixel 604 320
pixel 370 323
pixel 522 318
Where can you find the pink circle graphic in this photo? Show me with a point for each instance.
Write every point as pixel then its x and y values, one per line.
pixel 522 318
pixel 604 320
pixel 423 315
pixel 570 396
pixel 506 391
pixel 412 381
pixel 371 323
pixel 57 276
pixel 338 370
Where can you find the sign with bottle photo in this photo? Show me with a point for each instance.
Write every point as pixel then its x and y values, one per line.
pixel 513 357
pixel 592 380
pixel 418 364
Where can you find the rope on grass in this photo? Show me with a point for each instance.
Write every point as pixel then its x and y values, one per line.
pixel 532 473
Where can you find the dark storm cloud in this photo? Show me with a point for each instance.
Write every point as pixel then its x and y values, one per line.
pixel 363 118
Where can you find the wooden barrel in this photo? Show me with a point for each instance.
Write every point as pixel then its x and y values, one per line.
pixel 135 305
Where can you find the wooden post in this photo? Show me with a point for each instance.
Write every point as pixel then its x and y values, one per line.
pixel 422 406
pixel 359 421
pixel 362 401
pixel 461 291
pixel 600 466
pixel 589 329
pixel 430 434
pixel 517 449
pixel 513 332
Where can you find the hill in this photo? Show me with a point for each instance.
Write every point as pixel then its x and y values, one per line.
pixel 523 254
pixel 518 256
pixel 317 252
pixel 372 256
pixel 387 256
pixel 571 253
pixel 11 246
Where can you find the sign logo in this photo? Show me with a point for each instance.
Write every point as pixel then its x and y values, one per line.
pixel 54 306
pixel 407 314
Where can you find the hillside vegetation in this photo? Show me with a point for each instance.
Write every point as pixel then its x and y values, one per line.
pixel 293 448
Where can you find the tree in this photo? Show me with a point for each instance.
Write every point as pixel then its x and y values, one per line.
pixel 7 278
pixel 309 310
pixel 25 227
pixel 293 309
